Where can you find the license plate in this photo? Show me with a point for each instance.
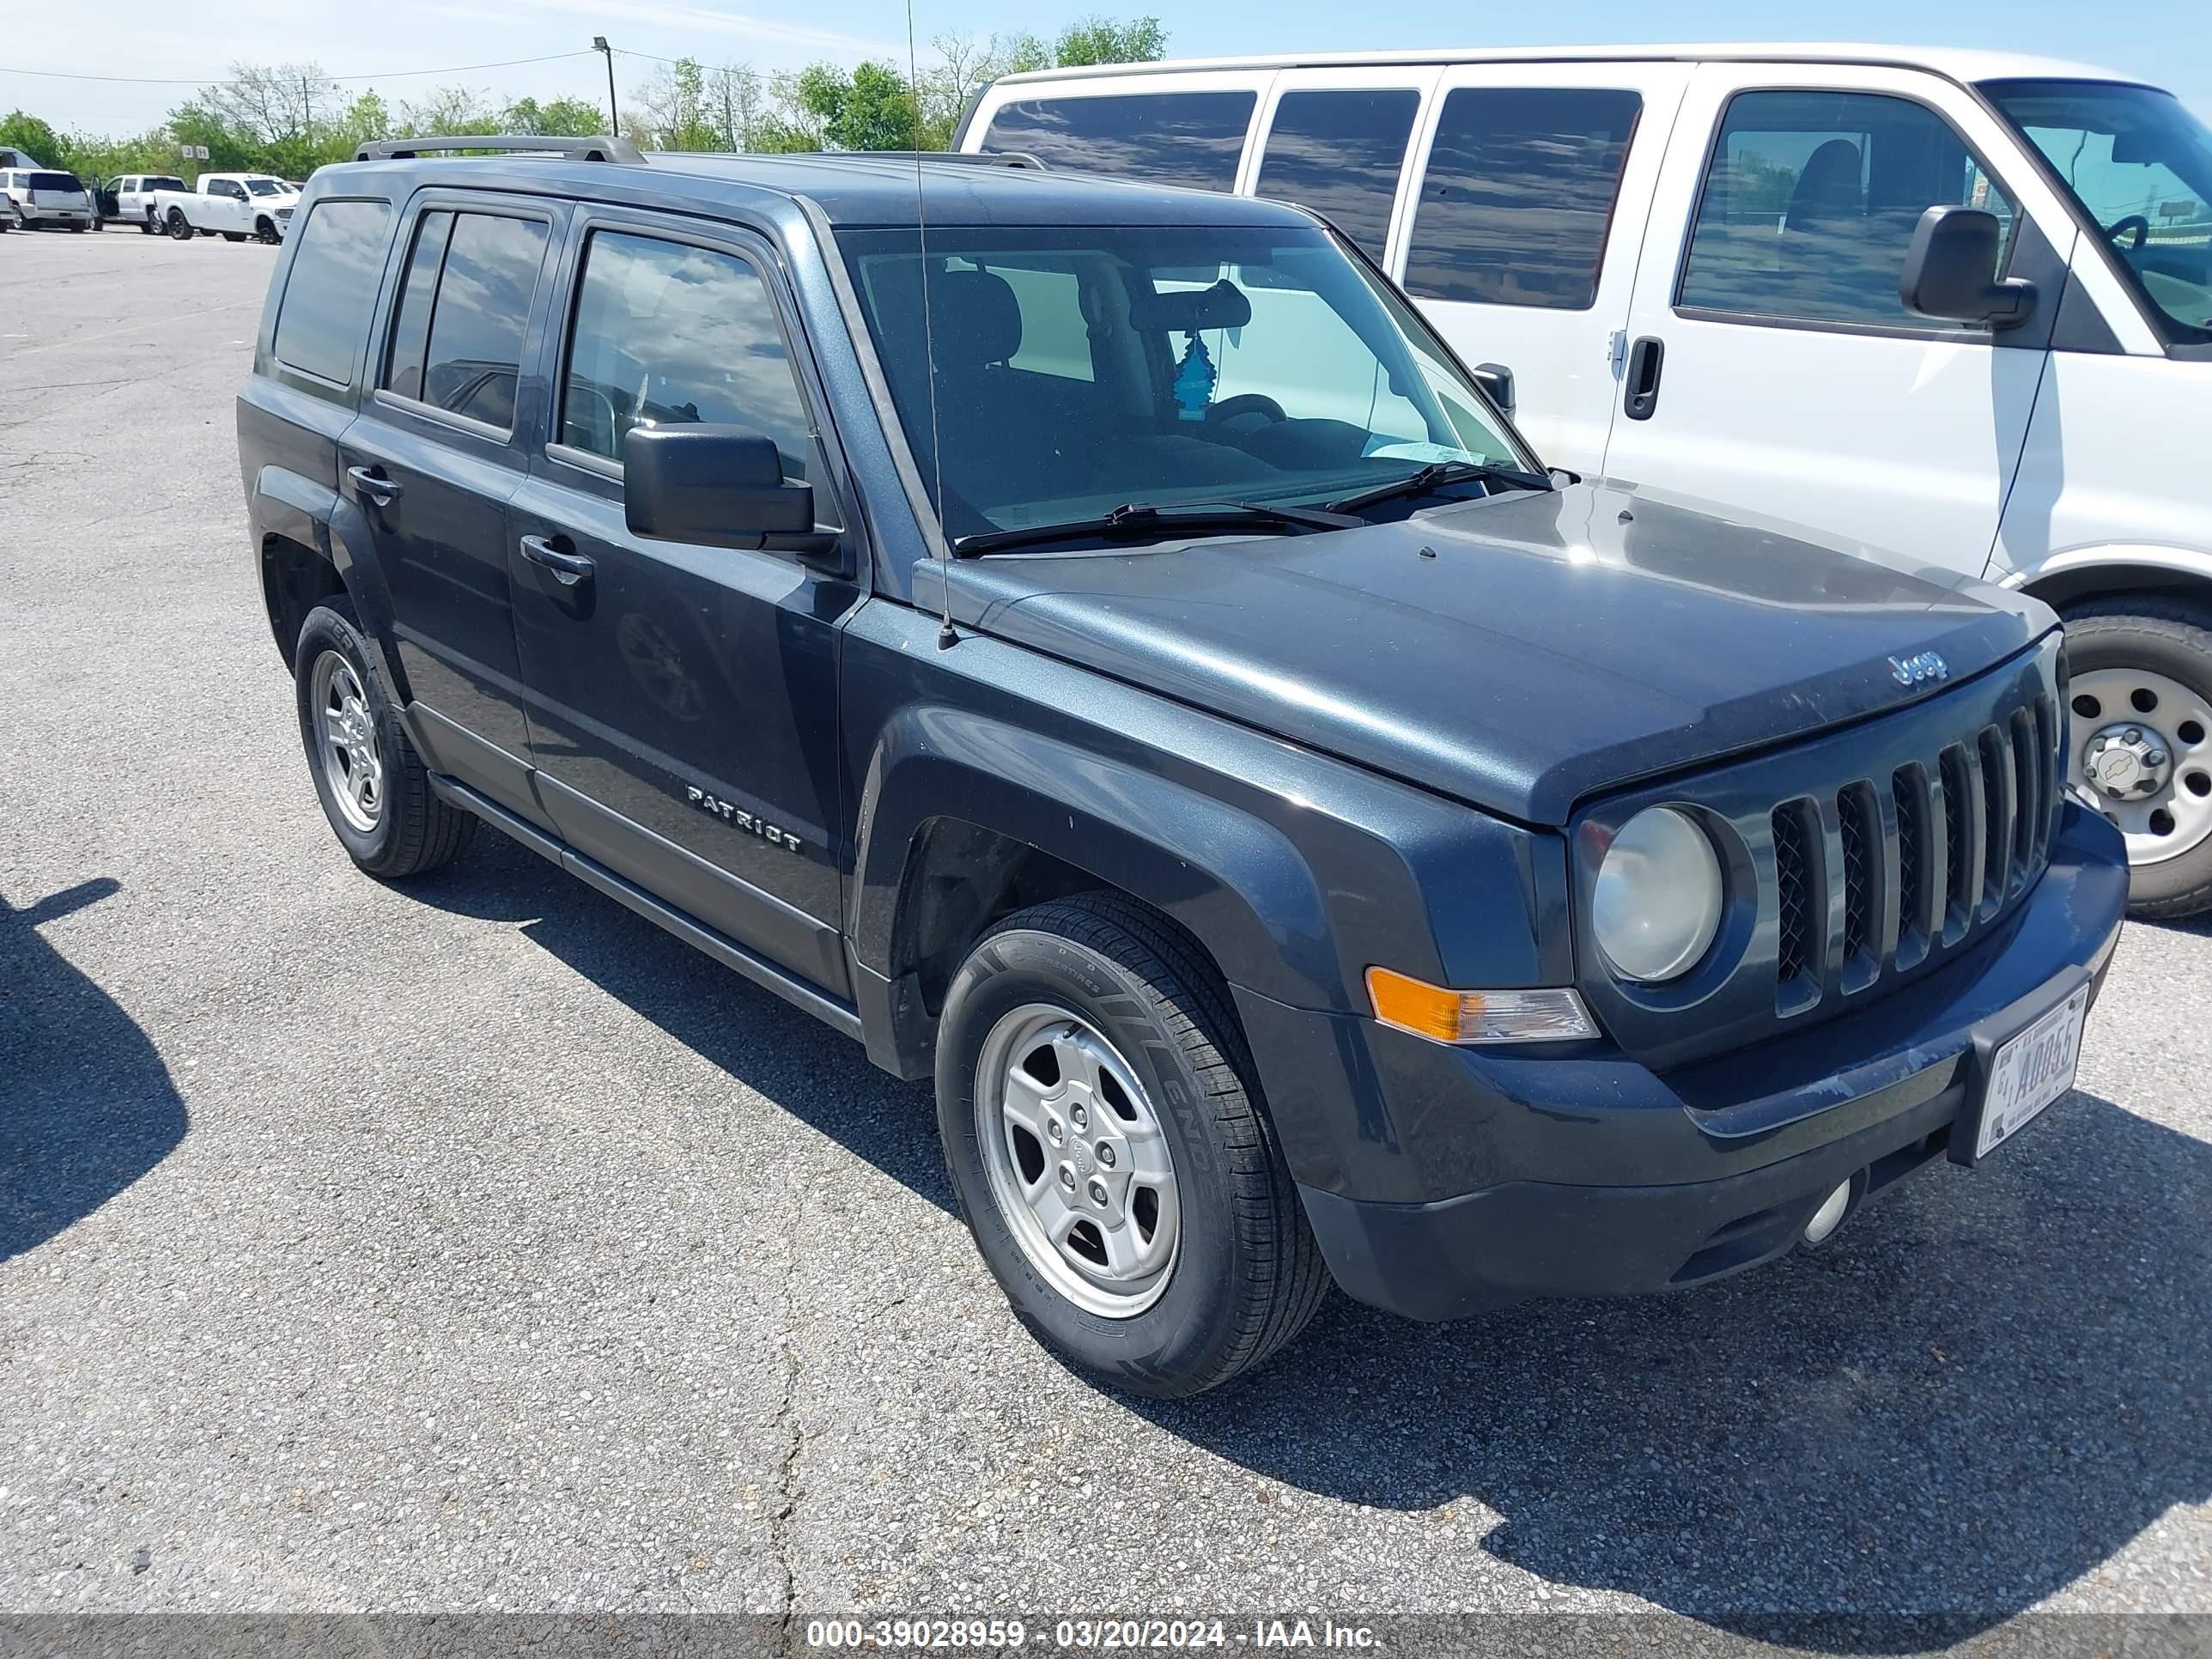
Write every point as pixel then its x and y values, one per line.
pixel 2029 1071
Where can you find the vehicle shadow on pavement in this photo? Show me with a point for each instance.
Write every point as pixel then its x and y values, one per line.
pixel 821 1079
pixel 86 1105
pixel 1985 1386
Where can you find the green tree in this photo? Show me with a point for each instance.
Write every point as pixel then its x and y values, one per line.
pixel 25 131
pixel 563 118
pixel 448 113
pixel 1095 40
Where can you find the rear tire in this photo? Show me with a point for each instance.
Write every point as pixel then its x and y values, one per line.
pixel 179 227
pixel 1155 1064
pixel 373 787
pixel 2142 663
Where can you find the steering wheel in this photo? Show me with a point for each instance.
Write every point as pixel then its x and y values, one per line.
pixel 1247 402
pixel 2141 227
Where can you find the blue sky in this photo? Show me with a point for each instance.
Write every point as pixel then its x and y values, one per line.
pixel 2167 41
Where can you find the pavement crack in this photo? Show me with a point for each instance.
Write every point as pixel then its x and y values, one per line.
pixel 793 1428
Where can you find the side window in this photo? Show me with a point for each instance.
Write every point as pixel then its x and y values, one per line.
pixel 458 345
pixel 1809 201
pixel 231 188
pixel 668 332
pixel 1340 153
pixel 1519 194
pixel 1192 138
pixel 411 330
pixel 324 316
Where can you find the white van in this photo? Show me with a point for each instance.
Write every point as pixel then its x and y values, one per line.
pixel 1690 259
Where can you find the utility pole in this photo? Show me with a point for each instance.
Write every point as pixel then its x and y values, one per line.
pixel 614 115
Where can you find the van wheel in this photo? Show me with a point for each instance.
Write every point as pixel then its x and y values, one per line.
pixel 1104 1133
pixel 180 227
pixel 373 787
pixel 2140 741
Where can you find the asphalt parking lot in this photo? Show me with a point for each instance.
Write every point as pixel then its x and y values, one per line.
pixel 476 1245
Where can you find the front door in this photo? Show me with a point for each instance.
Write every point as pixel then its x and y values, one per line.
pixel 1532 186
pixel 1771 367
pixel 432 462
pixel 683 699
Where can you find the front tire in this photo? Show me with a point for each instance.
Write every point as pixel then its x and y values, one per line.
pixel 264 232
pixel 2140 741
pixel 1102 1126
pixel 373 787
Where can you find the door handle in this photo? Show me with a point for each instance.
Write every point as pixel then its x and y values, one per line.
pixel 567 568
pixel 372 485
pixel 1644 358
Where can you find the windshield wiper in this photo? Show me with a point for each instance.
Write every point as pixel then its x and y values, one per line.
pixel 1437 475
pixel 1171 519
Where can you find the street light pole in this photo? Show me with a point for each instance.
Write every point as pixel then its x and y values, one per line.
pixel 614 115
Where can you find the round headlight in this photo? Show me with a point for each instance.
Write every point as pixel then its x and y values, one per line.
pixel 1657 904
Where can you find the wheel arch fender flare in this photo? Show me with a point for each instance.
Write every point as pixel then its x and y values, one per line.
pixel 1236 884
pixel 290 505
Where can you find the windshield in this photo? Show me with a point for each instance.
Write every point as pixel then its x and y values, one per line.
pixel 1078 369
pixel 2140 166
pixel 54 181
pixel 266 186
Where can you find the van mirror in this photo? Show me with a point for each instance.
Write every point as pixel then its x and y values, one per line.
pixel 716 486
pixel 1951 271
pixel 1497 381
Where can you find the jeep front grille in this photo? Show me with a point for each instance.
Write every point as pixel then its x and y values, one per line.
pixel 1860 859
pixel 1991 794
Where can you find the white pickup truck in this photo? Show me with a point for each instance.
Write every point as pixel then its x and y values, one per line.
pixel 233 205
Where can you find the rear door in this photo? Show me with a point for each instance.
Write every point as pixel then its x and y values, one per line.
pixel 1772 367
pixel 1535 184
pixel 433 459
pixel 683 699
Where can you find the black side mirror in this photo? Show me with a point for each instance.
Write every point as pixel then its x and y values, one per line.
pixel 1497 380
pixel 1951 271
pixel 716 486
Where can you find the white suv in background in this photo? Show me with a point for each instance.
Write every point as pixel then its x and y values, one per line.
pixel 1715 269
pixel 34 197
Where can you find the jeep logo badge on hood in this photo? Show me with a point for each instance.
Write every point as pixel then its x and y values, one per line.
pixel 1921 666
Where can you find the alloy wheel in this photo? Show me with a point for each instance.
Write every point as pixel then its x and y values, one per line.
pixel 1077 1161
pixel 345 742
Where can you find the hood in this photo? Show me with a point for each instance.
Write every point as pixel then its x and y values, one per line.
pixel 1519 652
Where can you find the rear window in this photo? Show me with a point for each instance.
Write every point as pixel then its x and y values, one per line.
pixel 456 342
pixel 324 315
pixel 1519 194
pixel 163 183
pixel 1192 138
pixel 55 181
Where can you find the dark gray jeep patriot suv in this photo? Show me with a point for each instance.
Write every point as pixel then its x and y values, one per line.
pixel 1096 646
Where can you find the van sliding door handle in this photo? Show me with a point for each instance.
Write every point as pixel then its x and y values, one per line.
pixel 1643 378
pixel 567 568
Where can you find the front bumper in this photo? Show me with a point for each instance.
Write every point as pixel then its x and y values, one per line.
pixel 1470 1178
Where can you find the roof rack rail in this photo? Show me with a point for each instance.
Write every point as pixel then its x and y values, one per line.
pixel 1001 158
pixel 573 150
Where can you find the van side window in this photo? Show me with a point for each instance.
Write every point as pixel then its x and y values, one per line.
pixel 1192 138
pixel 323 317
pixel 666 333
pixel 1809 201
pixel 457 342
pixel 1340 153
pixel 1518 195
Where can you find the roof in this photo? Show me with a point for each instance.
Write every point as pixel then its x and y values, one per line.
pixel 1956 63
pixel 859 190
